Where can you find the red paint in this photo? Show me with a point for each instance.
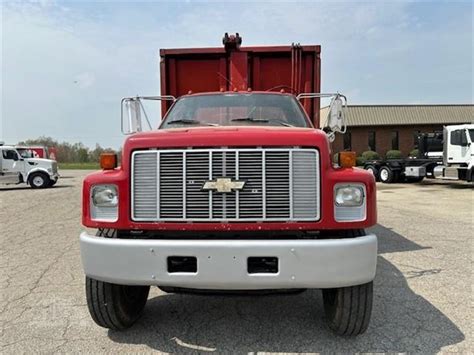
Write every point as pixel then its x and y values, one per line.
pixel 232 137
pixel 53 153
pixel 296 68
pixel 40 151
pixel 238 70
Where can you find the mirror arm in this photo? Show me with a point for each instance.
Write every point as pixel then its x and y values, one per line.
pixel 139 98
pixel 158 98
pixel 312 95
pixel 146 116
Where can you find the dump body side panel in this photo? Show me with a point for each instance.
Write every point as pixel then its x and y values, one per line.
pixel 295 69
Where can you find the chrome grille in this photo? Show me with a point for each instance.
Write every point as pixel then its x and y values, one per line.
pixel 281 184
pixel 54 167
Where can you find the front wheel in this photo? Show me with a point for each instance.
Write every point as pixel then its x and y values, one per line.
pixel 114 306
pixel 386 175
pixel 373 170
pixel 348 309
pixel 39 180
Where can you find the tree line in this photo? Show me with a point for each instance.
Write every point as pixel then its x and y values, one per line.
pixel 70 152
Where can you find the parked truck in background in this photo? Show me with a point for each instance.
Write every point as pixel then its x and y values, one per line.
pixel 18 168
pixel 37 151
pixel 443 155
pixel 235 190
pixel 458 153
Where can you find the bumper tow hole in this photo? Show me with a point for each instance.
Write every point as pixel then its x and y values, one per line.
pixel 262 265
pixel 182 264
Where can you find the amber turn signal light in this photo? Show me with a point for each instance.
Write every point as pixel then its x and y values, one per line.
pixel 347 159
pixel 108 161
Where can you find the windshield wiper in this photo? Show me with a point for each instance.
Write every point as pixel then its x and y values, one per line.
pixel 284 123
pixel 250 119
pixel 190 121
pixel 253 119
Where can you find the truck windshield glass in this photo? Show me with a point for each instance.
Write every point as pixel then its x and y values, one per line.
pixel 471 134
pixel 25 153
pixel 236 110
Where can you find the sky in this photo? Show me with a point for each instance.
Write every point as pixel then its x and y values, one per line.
pixel 67 64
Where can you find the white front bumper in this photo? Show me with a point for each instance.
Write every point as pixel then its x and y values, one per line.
pixel 222 264
pixel 54 176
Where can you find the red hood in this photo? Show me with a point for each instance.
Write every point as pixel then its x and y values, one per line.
pixel 227 137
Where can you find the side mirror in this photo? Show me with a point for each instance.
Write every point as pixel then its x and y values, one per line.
pixel 336 115
pixel 132 120
pixel 131 112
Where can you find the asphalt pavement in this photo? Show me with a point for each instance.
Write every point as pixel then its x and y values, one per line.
pixel 423 288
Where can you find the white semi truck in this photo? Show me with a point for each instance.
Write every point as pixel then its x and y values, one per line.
pixel 443 156
pixel 458 153
pixel 16 169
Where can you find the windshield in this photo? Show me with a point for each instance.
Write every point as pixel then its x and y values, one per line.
pixel 25 153
pixel 471 134
pixel 236 110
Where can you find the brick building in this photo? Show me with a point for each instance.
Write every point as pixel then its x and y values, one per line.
pixel 394 127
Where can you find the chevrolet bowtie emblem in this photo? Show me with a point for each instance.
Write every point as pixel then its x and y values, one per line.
pixel 223 185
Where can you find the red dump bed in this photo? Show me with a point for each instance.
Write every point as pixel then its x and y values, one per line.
pixel 293 68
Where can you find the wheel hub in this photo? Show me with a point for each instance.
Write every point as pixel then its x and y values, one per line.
pixel 38 181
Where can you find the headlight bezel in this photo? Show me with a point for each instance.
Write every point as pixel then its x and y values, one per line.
pixel 347 212
pixel 105 189
pixel 104 211
pixel 357 190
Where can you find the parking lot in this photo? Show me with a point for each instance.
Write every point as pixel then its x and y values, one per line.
pixel 423 289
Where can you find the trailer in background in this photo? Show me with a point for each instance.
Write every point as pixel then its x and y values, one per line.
pixel 442 155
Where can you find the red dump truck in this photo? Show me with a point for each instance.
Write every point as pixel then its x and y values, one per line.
pixel 234 191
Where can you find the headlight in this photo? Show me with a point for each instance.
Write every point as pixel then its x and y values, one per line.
pixel 349 202
pixel 104 203
pixel 349 196
pixel 105 196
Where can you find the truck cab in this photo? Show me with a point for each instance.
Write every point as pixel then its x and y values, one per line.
pixel 235 191
pixel 16 169
pixel 458 140
pixel 458 152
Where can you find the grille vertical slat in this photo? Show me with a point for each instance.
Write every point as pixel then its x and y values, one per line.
pixel 144 186
pixel 171 185
pixel 251 197
pixel 197 173
pixel 305 184
pixel 277 184
pixel 281 184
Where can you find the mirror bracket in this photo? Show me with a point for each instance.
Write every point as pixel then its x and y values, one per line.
pixel 134 109
pixel 336 116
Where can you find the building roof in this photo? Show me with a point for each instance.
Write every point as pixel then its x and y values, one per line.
pixel 390 115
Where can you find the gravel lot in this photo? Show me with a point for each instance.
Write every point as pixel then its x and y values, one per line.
pixel 423 289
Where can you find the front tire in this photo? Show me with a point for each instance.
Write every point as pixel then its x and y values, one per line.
pixel 348 309
pixel 113 306
pixel 386 175
pixel 374 171
pixel 39 180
